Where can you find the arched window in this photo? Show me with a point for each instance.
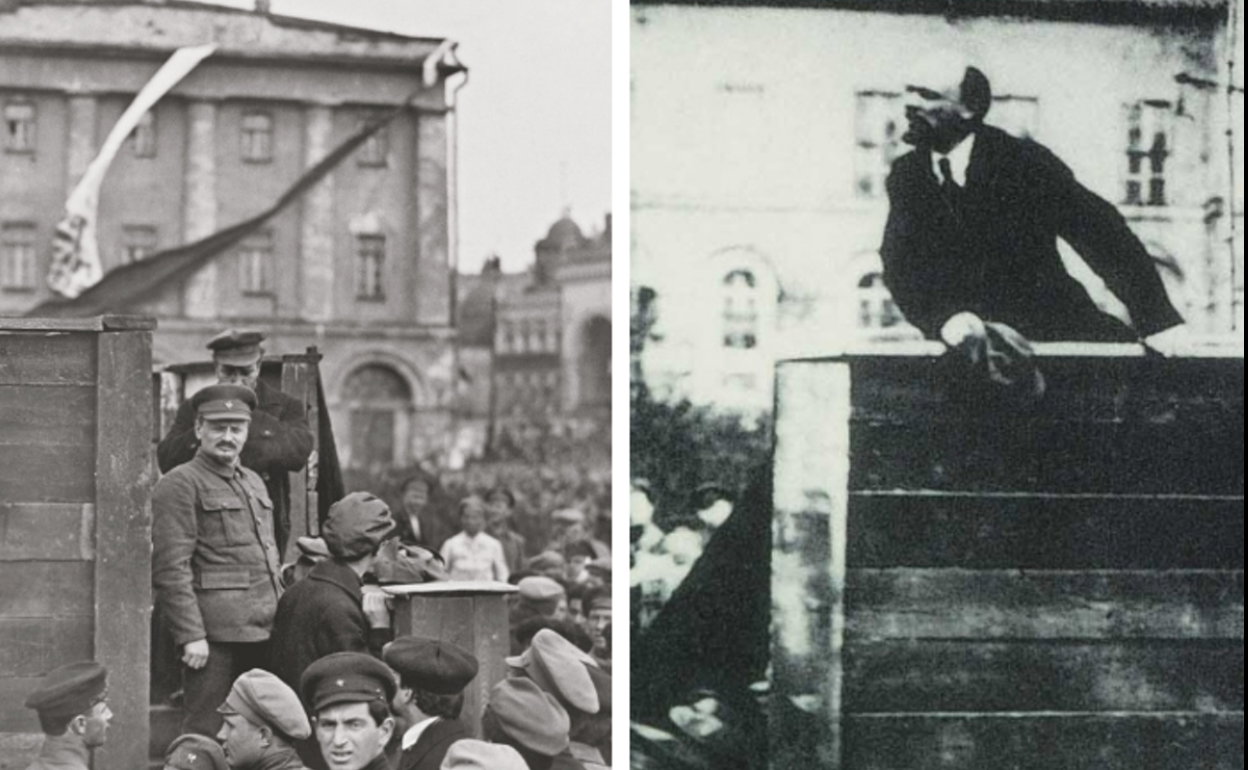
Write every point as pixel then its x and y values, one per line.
pixel 740 296
pixel 379 403
pixel 876 308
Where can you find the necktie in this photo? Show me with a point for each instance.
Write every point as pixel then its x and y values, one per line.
pixel 950 187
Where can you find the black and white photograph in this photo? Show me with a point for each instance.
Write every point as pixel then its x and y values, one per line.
pixel 305 384
pixel 936 385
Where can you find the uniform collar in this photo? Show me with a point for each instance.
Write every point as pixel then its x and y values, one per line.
pixel 65 750
pixel 212 467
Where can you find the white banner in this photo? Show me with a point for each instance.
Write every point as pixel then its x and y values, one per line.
pixel 75 253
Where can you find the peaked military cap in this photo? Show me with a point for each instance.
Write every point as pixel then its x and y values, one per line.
pixel 266 700
pixel 430 664
pixel 69 690
pixel 347 677
pixel 195 752
pixel 237 347
pixel 224 402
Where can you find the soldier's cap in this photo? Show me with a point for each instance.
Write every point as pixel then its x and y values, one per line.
pixel 263 699
pixel 479 755
pixel 547 560
pixel 69 690
pixel 539 589
pixel 347 677
pixel 599 601
pixel 570 515
pixel 532 718
pixel 356 525
pixel 195 752
pixel 224 402
pixel 312 547
pixel 431 665
pixel 237 347
pixel 559 668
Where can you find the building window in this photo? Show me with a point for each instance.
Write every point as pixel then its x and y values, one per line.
pixel 740 310
pixel 375 148
pixel 255 262
pixel 1017 115
pixel 876 307
pixel 18 258
pixel 257 137
pixel 138 243
pixel 370 255
pixel 143 137
pixel 879 116
pixel 379 403
pixel 1148 147
pixel 19 127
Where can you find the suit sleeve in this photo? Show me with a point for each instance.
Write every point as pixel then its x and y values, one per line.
pixel 923 307
pixel 281 443
pixel 1098 231
pixel 174 536
pixel 179 444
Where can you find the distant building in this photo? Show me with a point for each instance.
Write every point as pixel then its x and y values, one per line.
pixel 760 153
pixel 361 267
pixel 538 343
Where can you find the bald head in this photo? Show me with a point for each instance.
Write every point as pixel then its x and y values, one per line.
pixel 947 98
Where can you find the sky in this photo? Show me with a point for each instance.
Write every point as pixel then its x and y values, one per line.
pixel 534 118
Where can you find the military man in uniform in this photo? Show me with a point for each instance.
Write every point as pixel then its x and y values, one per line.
pixel 280 440
pixel 73 714
pixel 349 693
pixel 432 678
pixel 262 720
pixel 215 567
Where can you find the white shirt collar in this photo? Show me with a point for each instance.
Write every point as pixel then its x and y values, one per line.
pixel 959 160
pixel 415 731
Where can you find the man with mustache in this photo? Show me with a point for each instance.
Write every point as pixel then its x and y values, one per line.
pixel 215 566
pixel 975 216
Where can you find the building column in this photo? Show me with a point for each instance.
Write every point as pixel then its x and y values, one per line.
pixel 434 176
pixel 316 215
pixel 81 138
pixel 199 213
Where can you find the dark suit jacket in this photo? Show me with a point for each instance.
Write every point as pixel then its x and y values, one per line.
pixel 997 255
pixel 430 750
pixel 278 443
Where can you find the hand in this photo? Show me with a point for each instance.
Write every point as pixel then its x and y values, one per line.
pixel 962 327
pixel 195 654
pixel 1171 342
pixel 376 608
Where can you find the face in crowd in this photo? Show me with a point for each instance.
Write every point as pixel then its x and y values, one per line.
pixel 415 497
pixel 93 724
pixel 243 742
pixel 472 516
pixel 221 439
pixel 597 622
pixel 229 374
pixel 350 736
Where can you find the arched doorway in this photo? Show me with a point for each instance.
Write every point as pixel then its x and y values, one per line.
pixel 595 363
pixel 378 403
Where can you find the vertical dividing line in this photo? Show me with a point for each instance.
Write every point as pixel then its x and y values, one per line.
pixel 1232 39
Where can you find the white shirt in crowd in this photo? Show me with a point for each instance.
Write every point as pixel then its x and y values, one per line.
pixel 475 558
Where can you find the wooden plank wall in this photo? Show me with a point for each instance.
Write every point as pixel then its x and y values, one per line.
pixel 47 519
pixel 1055 587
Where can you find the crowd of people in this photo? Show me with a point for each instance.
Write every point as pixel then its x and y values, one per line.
pixel 297 665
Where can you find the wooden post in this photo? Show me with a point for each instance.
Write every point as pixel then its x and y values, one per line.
pixel 471 615
pixel 811 501
pixel 124 477
pixel 300 381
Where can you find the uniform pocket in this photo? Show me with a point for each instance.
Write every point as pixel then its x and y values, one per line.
pixel 226 519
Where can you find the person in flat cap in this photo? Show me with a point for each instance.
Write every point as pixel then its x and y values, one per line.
pixel 432 678
pixel 473 554
pixel 569 525
pixel 549 564
pixel 195 752
pixel 73 714
pixel 521 715
pixel 312 551
pixel 581 687
pixel 423 519
pixel 215 565
pixel 263 721
pixel 479 755
pixel 597 623
pixel 280 440
pixel 326 612
pixel 349 695
pixel 500 504
pixel 537 597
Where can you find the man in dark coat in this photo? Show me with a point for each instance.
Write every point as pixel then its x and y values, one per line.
pixel 973 226
pixel 280 440
pixel 432 678
pixel 324 612
pixel 215 568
